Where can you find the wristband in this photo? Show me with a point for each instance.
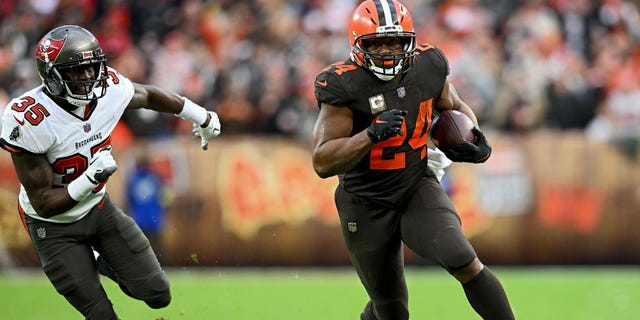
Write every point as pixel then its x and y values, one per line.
pixel 80 188
pixel 193 112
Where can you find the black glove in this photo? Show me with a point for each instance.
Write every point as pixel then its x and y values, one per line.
pixel 386 125
pixel 469 152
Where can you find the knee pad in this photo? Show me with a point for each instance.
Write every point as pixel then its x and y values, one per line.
pixel 453 250
pixel 103 310
pixel 159 302
pixel 155 291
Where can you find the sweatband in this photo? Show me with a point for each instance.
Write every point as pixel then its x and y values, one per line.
pixel 80 188
pixel 193 112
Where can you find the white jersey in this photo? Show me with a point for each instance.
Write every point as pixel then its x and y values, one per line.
pixel 34 123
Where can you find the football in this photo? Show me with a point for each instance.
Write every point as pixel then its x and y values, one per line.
pixel 451 128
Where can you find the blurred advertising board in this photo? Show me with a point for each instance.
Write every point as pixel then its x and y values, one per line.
pixel 545 198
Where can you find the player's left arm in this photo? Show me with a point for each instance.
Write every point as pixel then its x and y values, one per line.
pixel 206 123
pixel 450 100
pixel 476 152
pixel 155 98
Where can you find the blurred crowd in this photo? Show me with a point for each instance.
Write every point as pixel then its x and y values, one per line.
pixel 522 65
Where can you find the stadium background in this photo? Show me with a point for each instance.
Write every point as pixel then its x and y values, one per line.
pixel 556 86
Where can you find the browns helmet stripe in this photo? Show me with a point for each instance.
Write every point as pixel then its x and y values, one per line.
pixel 386 12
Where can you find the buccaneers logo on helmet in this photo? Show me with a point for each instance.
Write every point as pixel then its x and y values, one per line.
pixel 48 49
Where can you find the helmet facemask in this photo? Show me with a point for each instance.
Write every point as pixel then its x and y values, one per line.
pixel 389 64
pixel 76 91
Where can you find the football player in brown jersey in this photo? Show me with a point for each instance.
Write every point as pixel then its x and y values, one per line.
pixel 372 131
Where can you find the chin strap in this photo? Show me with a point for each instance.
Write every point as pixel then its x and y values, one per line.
pixel 77 102
pixel 382 73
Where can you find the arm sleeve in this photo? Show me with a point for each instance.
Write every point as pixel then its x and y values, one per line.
pixel 329 89
pixel 440 61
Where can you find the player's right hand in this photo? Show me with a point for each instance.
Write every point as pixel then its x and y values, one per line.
pixel 386 125
pixel 102 166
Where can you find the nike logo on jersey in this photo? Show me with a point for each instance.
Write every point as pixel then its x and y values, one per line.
pixel 20 122
pixel 322 83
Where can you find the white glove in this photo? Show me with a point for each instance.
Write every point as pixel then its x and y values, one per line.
pixel 102 166
pixel 208 132
pixel 437 161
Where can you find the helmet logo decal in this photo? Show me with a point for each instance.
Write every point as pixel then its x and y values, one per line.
pixel 48 49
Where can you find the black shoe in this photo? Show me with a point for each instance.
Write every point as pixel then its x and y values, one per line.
pixel 105 269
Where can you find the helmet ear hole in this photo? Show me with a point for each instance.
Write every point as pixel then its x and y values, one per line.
pixel 54 87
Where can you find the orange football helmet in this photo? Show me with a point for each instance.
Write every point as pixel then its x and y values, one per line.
pixel 375 19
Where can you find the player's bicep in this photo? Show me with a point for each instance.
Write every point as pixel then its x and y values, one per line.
pixel 335 150
pixel 333 122
pixel 450 100
pixel 34 172
pixel 140 97
pixel 155 98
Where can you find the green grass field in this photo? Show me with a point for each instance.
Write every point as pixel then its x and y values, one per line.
pixel 322 294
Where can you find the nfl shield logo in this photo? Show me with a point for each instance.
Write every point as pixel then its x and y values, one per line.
pixel 402 92
pixel 352 226
pixel 87 127
pixel 42 232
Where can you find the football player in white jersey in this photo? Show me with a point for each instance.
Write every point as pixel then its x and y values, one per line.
pixel 58 135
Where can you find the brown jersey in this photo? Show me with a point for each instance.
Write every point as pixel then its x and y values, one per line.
pixel 393 166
